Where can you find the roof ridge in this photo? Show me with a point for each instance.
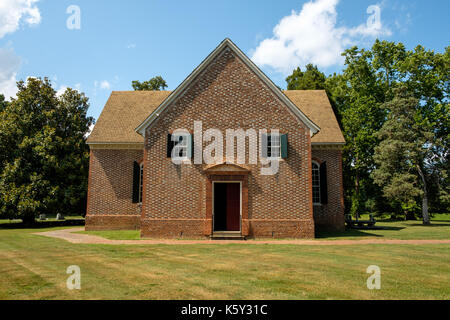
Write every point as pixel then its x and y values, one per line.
pixel 140 91
pixel 306 90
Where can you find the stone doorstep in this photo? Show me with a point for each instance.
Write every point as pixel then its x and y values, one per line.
pixel 227 235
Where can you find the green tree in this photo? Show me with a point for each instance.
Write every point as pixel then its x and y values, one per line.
pixel 3 102
pixel 403 169
pixel 427 76
pixel 360 94
pixel 45 162
pixel 311 79
pixel 154 84
pixel 314 79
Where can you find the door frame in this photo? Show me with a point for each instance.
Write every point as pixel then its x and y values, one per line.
pixel 240 204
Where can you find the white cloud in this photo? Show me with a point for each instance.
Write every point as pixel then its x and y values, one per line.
pixel 9 66
pixel 12 12
pixel 63 87
pixel 91 127
pixel 131 46
pixel 105 85
pixel 61 90
pixel 403 18
pixel 312 36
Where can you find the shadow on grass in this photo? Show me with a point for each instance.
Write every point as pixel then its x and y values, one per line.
pixel 355 232
pixel 43 224
pixel 430 225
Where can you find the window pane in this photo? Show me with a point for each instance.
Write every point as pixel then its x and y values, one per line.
pixel 181 144
pixel 316 183
pixel 275 152
pixel 141 183
pixel 273 146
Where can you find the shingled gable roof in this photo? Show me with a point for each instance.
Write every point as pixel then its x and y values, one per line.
pixel 125 110
pixel 185 84
pixel 316 105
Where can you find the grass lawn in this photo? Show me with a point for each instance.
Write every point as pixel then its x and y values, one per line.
pixel 116 234
pixel 404 230
pixel 34 267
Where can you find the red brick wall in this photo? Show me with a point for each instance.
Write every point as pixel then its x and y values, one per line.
pixel 331 216
pixel 110 190
pixel 227 95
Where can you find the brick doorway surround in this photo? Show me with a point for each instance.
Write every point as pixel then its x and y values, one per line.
pixel 224 173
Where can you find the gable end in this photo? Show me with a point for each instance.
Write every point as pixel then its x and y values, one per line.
pixel 153 117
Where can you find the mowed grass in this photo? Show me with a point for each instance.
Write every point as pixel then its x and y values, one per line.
pixel 116 234
pixel 34 267
pixel 403 230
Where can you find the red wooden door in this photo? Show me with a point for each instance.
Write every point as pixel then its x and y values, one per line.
pixel 233 207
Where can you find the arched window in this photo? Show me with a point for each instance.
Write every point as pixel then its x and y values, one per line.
pixel 316 183
pixel 141 181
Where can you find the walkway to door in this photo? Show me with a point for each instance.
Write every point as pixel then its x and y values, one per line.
pixel 72 237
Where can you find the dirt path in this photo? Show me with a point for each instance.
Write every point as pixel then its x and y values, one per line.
pixel 72 237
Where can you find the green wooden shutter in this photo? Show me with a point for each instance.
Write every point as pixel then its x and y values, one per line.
pixel 136 177
pixel 323 183
pixel 170 145
pixel 284 146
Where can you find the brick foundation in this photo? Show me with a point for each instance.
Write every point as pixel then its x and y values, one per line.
pixel 281 229
pixel 174 229
pixel 115 222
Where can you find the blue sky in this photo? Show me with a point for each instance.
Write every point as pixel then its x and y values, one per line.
pixel 121 41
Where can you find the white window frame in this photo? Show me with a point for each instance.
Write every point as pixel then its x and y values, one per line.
pixel 318 182
pixel 272 147
pixel 180 146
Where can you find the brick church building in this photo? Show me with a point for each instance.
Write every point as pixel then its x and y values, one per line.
pixel 135 184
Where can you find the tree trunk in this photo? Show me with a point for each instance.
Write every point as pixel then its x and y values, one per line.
pixel 425 215
pixel 357 192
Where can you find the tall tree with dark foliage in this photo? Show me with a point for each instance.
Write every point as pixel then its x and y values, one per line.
pixel 45 158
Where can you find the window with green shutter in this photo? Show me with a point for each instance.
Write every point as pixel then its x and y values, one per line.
pixel 180 145
pixel 274 146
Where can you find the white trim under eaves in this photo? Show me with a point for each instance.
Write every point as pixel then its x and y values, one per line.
pixel 181 88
